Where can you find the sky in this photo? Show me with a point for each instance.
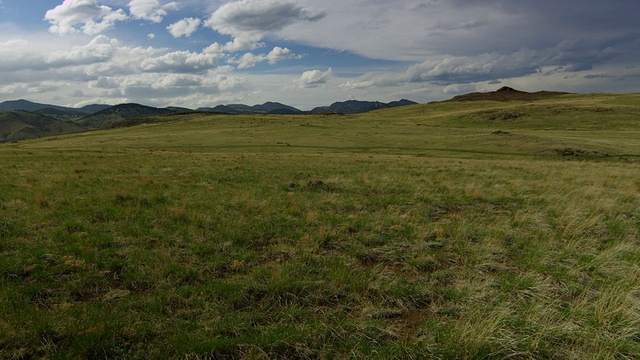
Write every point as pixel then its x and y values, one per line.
pixel 308 53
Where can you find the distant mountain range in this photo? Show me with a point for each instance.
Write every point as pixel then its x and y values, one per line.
pixel 266 108
pixel 35 107
pixel 354 106
pixel 23 119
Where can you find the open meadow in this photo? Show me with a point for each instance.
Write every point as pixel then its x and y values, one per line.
pixel 469 230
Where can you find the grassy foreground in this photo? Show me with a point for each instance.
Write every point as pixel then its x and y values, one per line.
pixel 440 231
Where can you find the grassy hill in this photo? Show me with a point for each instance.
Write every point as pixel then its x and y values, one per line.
pixel 475 229
pixel 121 112
pixel 64 115
pixel 506 93
pixel 19 125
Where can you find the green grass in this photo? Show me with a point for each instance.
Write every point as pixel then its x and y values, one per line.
pixel 408 233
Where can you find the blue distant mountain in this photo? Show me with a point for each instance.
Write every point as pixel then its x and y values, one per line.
pixel 345 107
pixel 355 106
pixel 27 105
pixel 266 108
pixel 23 119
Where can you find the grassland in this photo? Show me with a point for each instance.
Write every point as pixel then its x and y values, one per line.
pixel 477 230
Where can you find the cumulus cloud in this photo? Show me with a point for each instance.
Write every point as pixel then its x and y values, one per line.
pixel 126 60
pixel 279 54
pixel 250 20
pixel 276 55
pixel 181 62
pixel 314 78
pixel 184 27
pixel 23 55
pixel 240 43
pixel 181 89
pixel 87 15
pixel 176 80
pixel 151 10
pixel 100 49
pixel 246 61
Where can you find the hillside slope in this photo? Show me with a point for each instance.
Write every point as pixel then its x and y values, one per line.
pixel 21 125
pixel 572 126
pixel 121 112
pixel 506 93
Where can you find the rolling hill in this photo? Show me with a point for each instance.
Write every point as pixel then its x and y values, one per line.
pixel 21 125
pixel 64 115
pixel 122 112
pixel 506 93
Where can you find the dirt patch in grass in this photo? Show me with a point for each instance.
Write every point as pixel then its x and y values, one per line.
pixel 575 153
pixel 410 323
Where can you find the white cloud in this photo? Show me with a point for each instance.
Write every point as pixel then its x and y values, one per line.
pixel 276 55
pixel 24 55
pixel 249 21
pixel 247 61
pixel 184 27
pixel 279 54
pixel 176 80
pixel 189 90
pixel 87 15
pixel 151 36
pixel 239 43
pixel 98 50
pixel 151 10
pixel 181 62
pixel 126 60
pixel 314 78
pixel 456 89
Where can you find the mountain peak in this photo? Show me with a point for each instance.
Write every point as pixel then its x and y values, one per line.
pixel 507 89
